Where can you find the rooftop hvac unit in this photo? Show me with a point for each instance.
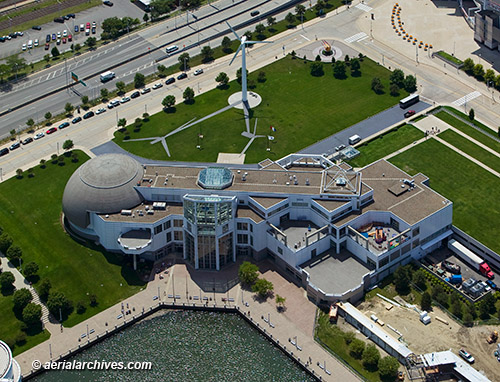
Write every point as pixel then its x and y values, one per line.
pixel 126 212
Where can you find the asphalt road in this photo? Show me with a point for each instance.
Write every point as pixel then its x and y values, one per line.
pixel 209 23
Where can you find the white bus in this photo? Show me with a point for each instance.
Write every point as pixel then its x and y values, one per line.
pixel 408 101
pixel 172 48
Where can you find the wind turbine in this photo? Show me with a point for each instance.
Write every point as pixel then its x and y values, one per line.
pixel 244 92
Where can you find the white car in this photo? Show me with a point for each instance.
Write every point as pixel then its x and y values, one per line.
pixel 65 33
pixel 58 34
pixel 198 72
pixel 100 111
pixel 157 86
pixel 20 33
pixel 39 135
pixel 465 355
pixel 125 99
pixel 24 47
pixel 145 90
pixel 36 42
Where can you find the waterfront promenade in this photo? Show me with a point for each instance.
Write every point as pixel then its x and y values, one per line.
pixel 179 284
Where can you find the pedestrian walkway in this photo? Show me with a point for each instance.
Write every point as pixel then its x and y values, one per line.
pixel 364 7
pixel 356 38
pixel 466 98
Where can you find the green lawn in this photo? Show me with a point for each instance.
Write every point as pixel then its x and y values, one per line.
pixel 449 57
pixel 473 191
pixel 385 144
pixel 470 131
pixel 468 147
pixel 34 222
pixel 10 328
pixel 333 338
pixel 302 108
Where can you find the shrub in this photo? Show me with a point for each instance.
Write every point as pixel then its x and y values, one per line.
pixel 370 357
pixel 357 347
pixel 80 307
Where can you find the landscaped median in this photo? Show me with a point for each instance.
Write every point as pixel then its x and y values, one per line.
pixel 89 277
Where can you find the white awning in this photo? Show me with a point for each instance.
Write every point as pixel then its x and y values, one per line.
pixel 437 239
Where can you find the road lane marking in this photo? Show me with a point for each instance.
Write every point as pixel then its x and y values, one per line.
pixel 467 98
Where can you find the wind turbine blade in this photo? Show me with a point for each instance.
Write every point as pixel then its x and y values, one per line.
pixel 259 42
pixel 232 30
pixel 255 127
pixel 237 51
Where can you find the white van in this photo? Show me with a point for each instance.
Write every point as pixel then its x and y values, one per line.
pixel 106 76
pixel 30 44
pixel 354 139
pixel 172 48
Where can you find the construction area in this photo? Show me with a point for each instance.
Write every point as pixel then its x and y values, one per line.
pixel 441 334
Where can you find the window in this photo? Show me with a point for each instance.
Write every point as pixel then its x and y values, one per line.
pixel 189 227
pixel 166 225
pixel 178 223
pixel 242 238
pixel 395 224
pixel 242 226
pixel 169 237
pixel 415 243
pixel 405 249
pixel 416 231
pixel 225 228
pixel 313 252
pixel 280 251
pixel 300 204
pixel 383 262
pixel 370 263
pixel 178 235
pixel 251 228
pixel 395 255
pixel 158 229
pixel 251 240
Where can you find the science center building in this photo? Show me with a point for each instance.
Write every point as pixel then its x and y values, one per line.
pixel 333 230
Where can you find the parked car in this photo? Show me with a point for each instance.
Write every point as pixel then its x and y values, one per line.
pixel 27 140
pixel 15 146
pixel 145 90
pixel 58 42
pixel 100 111
pixel 23 47
pixel 198 72
pixel 72 15
pixel 409 113
pixel 491 284
pixel 113 103
pixel 157 86
pixel 65 33
pixel 4 151
pixel 93 30
pixel 64 40
pixel 39 135
pixel 94 24
pixel 66 17
pixel 47 45
pixel 125 99
pixel 182 76
pixel 135 94
pixel 108 3
pixel 70 38
pixel 59 20
pixel 88 114
pixel 54 37
pixel 51 130
pixel 88 26
pixel 76 120
pixel 59 35
pixel 170 81
pixel 465 355
pixel 36 27
pixel 82 27
pixel 47 38
pixel 63 125
pixel 77 29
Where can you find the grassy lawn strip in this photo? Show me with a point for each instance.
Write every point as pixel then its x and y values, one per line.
pixel 333 338
pixel 10 328
pixel 385 144
pixel 77 270
pixel 475 151
pixel 474 191
pixel 470 131
pixel 328 111
pixel 449 57
pixel 475 122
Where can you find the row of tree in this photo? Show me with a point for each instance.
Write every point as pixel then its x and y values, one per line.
pixel 249 276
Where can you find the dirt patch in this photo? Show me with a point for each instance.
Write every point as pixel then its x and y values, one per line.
pixel 436 336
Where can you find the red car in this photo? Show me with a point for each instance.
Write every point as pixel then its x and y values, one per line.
pixel 70 38
pixel 47 46
pixel 88 26
pixel 64 40
pixel 409 113
pixel 51 130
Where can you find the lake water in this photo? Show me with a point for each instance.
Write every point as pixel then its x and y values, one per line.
pixel 187 346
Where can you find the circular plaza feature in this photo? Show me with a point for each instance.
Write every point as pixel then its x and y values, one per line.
pixel 254 100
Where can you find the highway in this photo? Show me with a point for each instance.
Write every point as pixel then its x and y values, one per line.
pixel 202 25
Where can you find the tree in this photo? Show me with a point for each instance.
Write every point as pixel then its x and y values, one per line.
pixel 30 123
pixel 270 21
pixel 47 58
pixel 397 77
pixel 145 117
pixel 280 301
pixel 457 308
pixel 32 314
pixel 19 173
pixel 260 29
pixel 139 80
pixel 145 18
pixel 317 69
pixel 290 19
pixel 44 289
pixel 377 86
pixel 162 71
pixel 207 53
pixel 402 280
pixel 468 65
pixel 443 299
pixel 168 101
pixel 68 108
pixel 248 273
pixel 239 75
pixel 30 269
pixel 488 303
pixel 300 10
pixel 410 83
pixel 356 348
pixel 320 4
pixel 5 242
pixel 436 290
pixel 120 86
pixel 58 304
pixel 14 253
pixel 471 308
pixel 355 66
pixel 122 122
pixel 55 52
pixel 15 63
pixel 222 79
pixel 248 35
pixel 394 90
pixel 91 42
pixel 80 307
pixel 339 69
pixel 30 172
pixel 370 357
pixel 489 77
pixel 261 77
pixel 226 44
pixel 104 94
pixel 48 116
pixel 68 144
pixel 21 298
pixel 419 279
pixel 388 368
pixel 472 114
pixel 188 95
pixel 184 61
pixel 85 100
pixel 78 47
pixel 13 133
pixel 349 337
pixel 4 71
pixel 42 163
pixel 6 281
pixel 262 287
pixel 478 71
pixel 93 300
pixel 468 319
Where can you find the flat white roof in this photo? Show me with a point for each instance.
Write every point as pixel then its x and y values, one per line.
pixel 5 359
pixel 461 367
pixel 375 329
